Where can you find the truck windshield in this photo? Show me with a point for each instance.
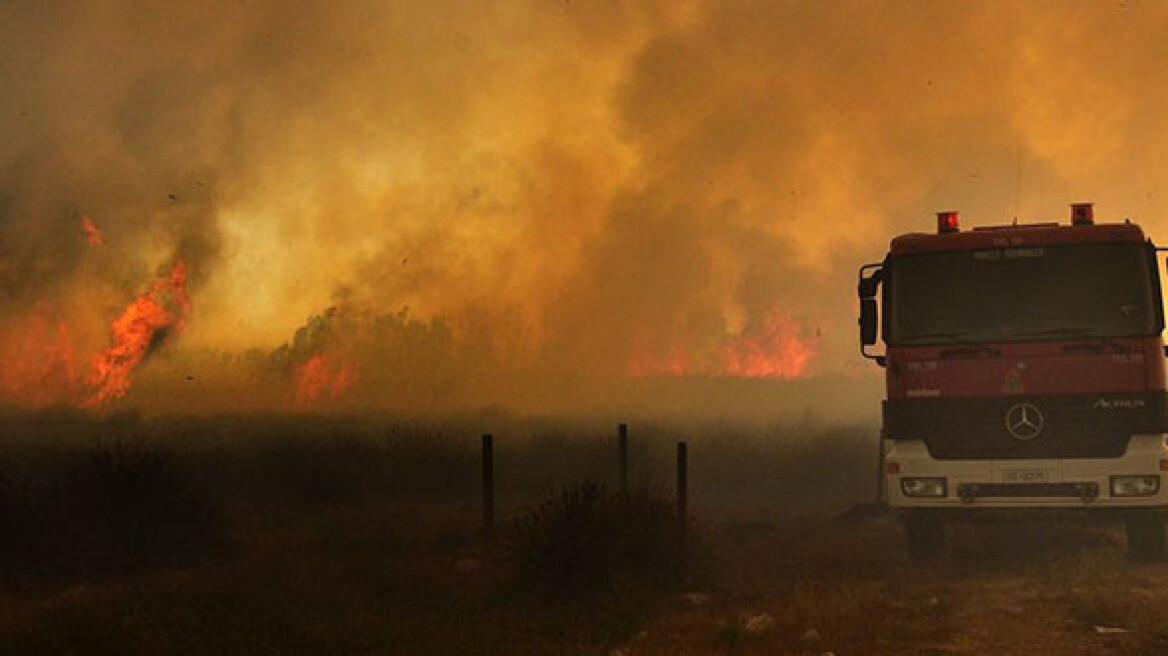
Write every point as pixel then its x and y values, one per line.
pixel 1020 294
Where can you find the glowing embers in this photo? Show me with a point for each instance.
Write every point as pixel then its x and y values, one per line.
pixel 775 348
pixel 322 379
pixel 143 326
pixel 92 232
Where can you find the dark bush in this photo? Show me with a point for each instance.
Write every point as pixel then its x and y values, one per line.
pixel 132 504
pixel 19 529
pixel 586 540
pixel 322 473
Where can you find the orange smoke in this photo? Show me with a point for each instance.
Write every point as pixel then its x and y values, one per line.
pixel 142 326
pixel 92 233
pixel 321 378
pixel 778 348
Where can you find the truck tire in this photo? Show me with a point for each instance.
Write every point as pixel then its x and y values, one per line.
pixel 1145 536
pixel 925 534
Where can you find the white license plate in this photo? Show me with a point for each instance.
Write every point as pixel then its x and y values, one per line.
pixel 1025 476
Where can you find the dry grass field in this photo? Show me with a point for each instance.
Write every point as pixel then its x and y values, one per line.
pixel 331 536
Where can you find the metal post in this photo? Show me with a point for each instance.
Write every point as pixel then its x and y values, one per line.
pixel 623 440
pixel 682 485
pixel 488 486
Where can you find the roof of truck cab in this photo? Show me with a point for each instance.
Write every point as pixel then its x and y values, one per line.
pixel 1019 236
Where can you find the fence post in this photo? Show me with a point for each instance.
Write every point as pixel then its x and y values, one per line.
pixel 623 440
pixel 682 486
pixel 488 486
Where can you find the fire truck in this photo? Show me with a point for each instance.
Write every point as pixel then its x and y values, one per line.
pixel 1024 373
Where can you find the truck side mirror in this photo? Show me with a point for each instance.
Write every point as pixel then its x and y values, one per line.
pixel 868 319
pixel 867 287
pixel 871 275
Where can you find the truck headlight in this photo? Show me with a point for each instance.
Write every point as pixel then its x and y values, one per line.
pixel 1134 486
pixel 923 487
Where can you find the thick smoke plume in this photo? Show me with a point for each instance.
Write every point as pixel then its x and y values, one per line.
pixel 536 204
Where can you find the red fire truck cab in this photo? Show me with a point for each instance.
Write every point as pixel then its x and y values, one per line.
pixel 1024 372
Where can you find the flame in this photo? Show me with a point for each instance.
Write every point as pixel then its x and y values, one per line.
pixel 141 326
pixel 92 233
pixel 38 362
pixel 777 348
pixel 322 378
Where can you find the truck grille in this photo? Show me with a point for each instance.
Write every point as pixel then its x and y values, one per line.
pixel 1076 490
pixel 1096 426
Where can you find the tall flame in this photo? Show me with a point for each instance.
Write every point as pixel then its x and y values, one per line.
pixel 140 328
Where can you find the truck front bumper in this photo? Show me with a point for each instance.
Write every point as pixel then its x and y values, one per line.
pixel 1047 483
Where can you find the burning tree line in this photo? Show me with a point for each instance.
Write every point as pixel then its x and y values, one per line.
pixel 339 359
pixel 345 356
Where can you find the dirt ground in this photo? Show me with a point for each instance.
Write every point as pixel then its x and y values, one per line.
pixel 350 583
pixel 999 589
pixel 316 544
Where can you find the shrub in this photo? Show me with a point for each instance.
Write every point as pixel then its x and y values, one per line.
pixel 18 524
pixel 585 540
pixel 132 505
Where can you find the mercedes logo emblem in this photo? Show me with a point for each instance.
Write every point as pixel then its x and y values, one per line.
pixel 1024 421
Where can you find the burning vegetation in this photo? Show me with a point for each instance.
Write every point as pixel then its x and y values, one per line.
pixel 44 364
pixel 320 380
pixel 779 348
pixel 349 357
pixel 41 364
pixel 39 360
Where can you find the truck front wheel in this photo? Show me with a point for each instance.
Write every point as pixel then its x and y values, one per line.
pixel 1145 536
pixel 925 534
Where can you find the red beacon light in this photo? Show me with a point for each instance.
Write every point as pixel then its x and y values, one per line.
pixel 947 222
pixel 1083 214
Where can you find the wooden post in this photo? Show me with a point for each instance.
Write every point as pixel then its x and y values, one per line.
pixel 623 440
pixel 488 486
pixel 682 485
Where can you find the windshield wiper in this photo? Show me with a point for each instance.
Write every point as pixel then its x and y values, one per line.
pixel 1054 332
pixel 960 349
pixel 1096 343
pixel 961 333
